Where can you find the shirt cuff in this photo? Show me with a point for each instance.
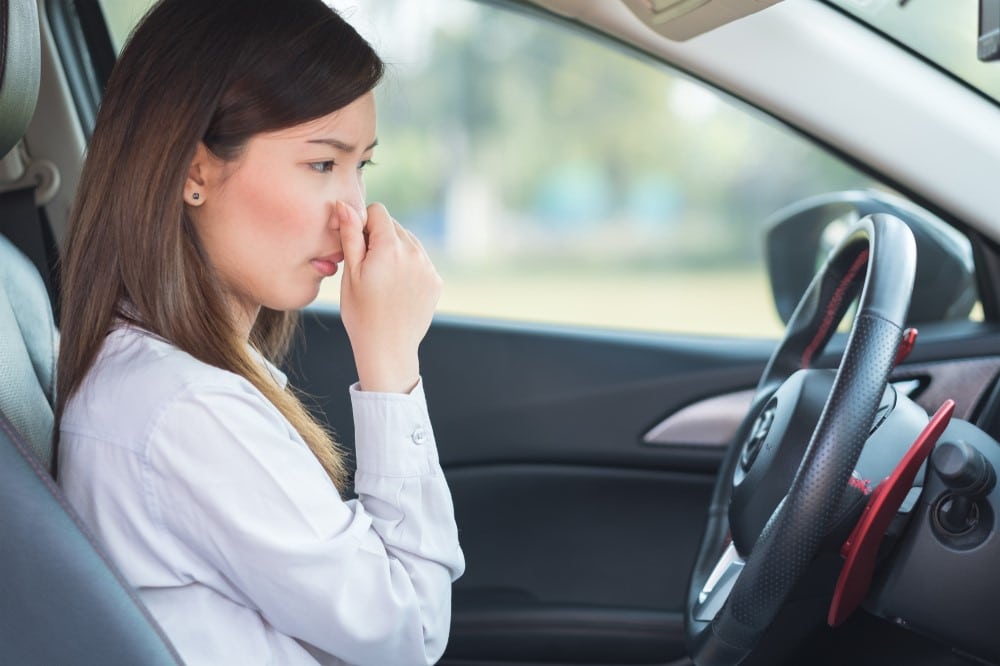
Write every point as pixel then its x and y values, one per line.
pixel 392 432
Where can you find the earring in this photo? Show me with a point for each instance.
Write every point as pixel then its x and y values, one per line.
pixel 195 196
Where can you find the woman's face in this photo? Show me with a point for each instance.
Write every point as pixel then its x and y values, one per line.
pixel 267 219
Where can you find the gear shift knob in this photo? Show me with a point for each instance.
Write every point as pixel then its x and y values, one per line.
pixel 969 476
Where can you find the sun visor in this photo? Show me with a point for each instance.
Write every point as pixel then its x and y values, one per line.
pixel 683 19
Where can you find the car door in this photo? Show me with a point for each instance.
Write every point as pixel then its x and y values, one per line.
pixel 579 535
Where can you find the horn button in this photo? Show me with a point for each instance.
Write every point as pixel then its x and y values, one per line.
pixel 772 452
pixel 758 434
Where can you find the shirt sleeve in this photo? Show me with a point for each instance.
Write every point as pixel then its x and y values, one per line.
pixel 368 580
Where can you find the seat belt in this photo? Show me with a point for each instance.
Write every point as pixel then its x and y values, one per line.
pixel 25 225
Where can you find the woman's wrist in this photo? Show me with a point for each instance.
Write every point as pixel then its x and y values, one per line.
pixel 388 375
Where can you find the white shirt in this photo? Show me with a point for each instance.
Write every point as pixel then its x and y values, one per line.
pixel 224 521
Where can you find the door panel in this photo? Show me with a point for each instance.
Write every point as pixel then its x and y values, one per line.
pixel 501 393
pixel 579 536
pixel 574 564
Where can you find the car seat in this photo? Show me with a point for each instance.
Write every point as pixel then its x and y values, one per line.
pixel 61 599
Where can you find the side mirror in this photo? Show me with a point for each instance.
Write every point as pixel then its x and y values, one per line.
pixel 798 238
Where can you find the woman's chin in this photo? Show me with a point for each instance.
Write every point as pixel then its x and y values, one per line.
pixel 291 302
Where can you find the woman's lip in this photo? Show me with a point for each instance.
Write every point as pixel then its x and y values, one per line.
pixel 327 266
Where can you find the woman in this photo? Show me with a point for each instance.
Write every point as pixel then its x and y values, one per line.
pixel 223 183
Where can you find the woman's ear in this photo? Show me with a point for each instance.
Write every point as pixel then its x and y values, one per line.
pixel 201 175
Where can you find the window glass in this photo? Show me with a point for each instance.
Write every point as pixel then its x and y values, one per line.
pixel 121 16
pixel 555 179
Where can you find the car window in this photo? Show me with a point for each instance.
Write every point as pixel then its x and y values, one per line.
pixel 121 16
pixel 554 179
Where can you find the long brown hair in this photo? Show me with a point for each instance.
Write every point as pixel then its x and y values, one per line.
pixel 217 72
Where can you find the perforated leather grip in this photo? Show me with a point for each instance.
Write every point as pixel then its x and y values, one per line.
pixel 791 538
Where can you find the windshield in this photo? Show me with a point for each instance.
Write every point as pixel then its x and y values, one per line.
pixel 943 31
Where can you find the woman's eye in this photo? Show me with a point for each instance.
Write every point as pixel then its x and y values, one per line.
pixel 364 164
pixel 326 166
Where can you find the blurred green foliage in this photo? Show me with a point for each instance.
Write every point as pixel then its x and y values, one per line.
pixel 532 158
pixel 588 154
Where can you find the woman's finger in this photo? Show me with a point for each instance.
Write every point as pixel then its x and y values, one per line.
pixel 352 235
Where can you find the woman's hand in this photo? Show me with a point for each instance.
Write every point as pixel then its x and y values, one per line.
pixel 387 297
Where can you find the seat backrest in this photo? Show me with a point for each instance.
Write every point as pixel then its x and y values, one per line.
pixel 29 343
pixel 61 600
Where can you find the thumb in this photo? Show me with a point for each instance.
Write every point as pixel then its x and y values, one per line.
pixel 352 236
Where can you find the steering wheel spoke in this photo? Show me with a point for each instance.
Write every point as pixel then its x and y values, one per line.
pixel 719 584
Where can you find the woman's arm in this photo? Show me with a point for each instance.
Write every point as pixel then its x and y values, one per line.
pixel 368 581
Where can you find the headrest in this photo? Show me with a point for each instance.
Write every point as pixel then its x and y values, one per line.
pixel 20 69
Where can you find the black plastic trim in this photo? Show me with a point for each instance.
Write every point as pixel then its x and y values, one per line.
pixel 986 259
pixel 94 27
pixel 77 27
pixel 563 633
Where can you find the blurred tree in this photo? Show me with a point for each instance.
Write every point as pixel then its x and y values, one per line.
pixel 569 132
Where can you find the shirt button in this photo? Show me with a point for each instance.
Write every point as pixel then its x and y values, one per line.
pixel 419 435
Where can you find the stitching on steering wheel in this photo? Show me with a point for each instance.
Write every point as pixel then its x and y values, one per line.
pixel 832 308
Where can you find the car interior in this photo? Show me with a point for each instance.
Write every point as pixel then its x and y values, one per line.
pixel 635 550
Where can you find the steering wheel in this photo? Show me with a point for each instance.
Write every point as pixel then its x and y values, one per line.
pixel 777 498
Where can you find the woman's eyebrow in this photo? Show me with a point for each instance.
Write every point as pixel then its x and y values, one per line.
pixel 340 145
